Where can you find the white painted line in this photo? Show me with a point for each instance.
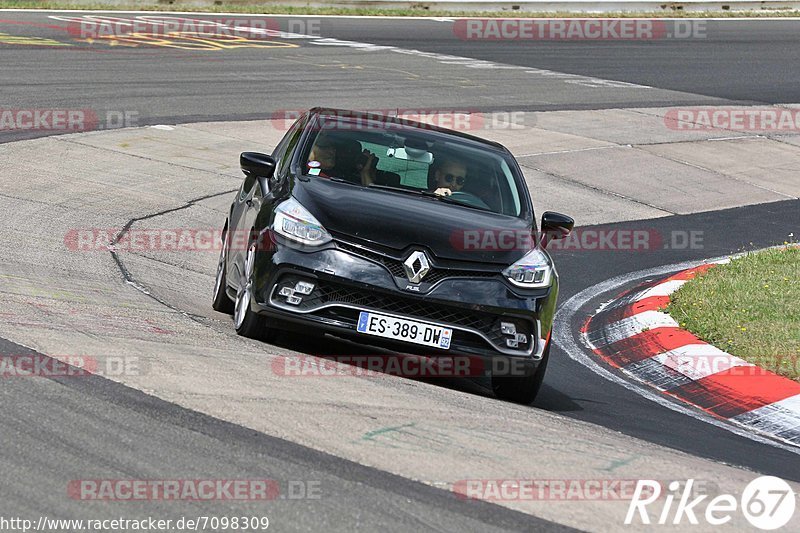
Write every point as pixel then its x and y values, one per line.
pixel 696 361
pixel 662 289
pixel 656 374
pixel 388 17
pixel 467 62
pixel 780 418
pixel 633 325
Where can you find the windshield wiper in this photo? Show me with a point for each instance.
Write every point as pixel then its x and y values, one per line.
pixel 307 177
pixel 429 194
pixel 448 200
pixel 419 192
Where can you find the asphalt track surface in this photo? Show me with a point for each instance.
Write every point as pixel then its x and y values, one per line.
pixel 64 428
pixel 733 62
pixel 744 61
pixel 177 86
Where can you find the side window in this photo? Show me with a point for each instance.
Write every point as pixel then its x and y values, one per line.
pixel 292 139
pixel 282 144
pixel 283 152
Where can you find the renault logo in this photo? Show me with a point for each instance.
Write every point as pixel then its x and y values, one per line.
pixel 416 266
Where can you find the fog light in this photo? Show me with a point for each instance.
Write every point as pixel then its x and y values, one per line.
pixel 304 288
pixel 508 328
pixel 513 339
pixel 294 300
pixel 286 291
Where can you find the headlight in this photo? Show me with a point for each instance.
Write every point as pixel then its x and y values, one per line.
pixel 294 222
pixel 533 271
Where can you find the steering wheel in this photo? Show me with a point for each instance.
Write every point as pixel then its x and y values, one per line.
pixel 469 199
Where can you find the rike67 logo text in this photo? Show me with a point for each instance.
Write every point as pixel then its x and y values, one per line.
pixel 767 503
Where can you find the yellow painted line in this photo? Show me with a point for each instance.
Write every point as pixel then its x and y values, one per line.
pixel 189 41
pixel 29 41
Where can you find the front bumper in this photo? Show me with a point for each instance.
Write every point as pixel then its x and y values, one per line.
pixel 346 284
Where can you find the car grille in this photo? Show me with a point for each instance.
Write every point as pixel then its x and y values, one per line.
pixel 395 266
pixel 326 293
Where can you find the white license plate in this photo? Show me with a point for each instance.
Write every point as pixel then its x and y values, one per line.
pixel 404 330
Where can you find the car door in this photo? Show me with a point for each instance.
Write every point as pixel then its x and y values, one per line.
pixel 237 238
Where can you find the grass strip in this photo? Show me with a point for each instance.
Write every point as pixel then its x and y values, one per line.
pixel 750 308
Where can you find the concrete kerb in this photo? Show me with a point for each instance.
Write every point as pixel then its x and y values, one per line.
pixel 635 335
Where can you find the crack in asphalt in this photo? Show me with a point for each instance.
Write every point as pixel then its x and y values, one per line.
pixel 138 156
pixel 126 274
pixel 597 189
pixel 716 172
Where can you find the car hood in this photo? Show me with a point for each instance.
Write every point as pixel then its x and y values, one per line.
pixel 400 221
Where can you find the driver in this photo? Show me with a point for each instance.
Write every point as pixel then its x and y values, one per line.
pixel 449 176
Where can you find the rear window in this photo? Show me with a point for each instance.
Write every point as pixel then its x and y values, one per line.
pixel 415 160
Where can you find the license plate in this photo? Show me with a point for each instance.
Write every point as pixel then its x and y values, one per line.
pixel 404 330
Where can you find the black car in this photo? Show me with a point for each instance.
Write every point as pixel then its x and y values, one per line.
pixel 399 235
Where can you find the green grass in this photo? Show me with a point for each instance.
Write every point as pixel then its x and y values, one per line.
pixel 223 6
pixel 750 308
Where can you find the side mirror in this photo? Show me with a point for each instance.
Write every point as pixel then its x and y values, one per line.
pixel 555 226
pixel 257 165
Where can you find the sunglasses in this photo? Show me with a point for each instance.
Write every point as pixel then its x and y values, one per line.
pixel 449 178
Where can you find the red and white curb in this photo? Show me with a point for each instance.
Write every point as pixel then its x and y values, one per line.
pixel 633 335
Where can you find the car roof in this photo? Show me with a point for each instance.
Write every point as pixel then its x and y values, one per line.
pixel 348 114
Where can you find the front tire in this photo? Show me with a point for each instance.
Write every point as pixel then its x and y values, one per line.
pixel 247 323
pixel 521 389
pixel 221 301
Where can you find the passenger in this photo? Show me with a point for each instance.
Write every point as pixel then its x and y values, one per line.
pixel 368 168
pixel 449 176
pixel 342 158
pixel 348 160
pixel 322 158
pixel 356 165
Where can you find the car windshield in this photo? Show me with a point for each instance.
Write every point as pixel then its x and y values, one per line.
pixel 413 160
